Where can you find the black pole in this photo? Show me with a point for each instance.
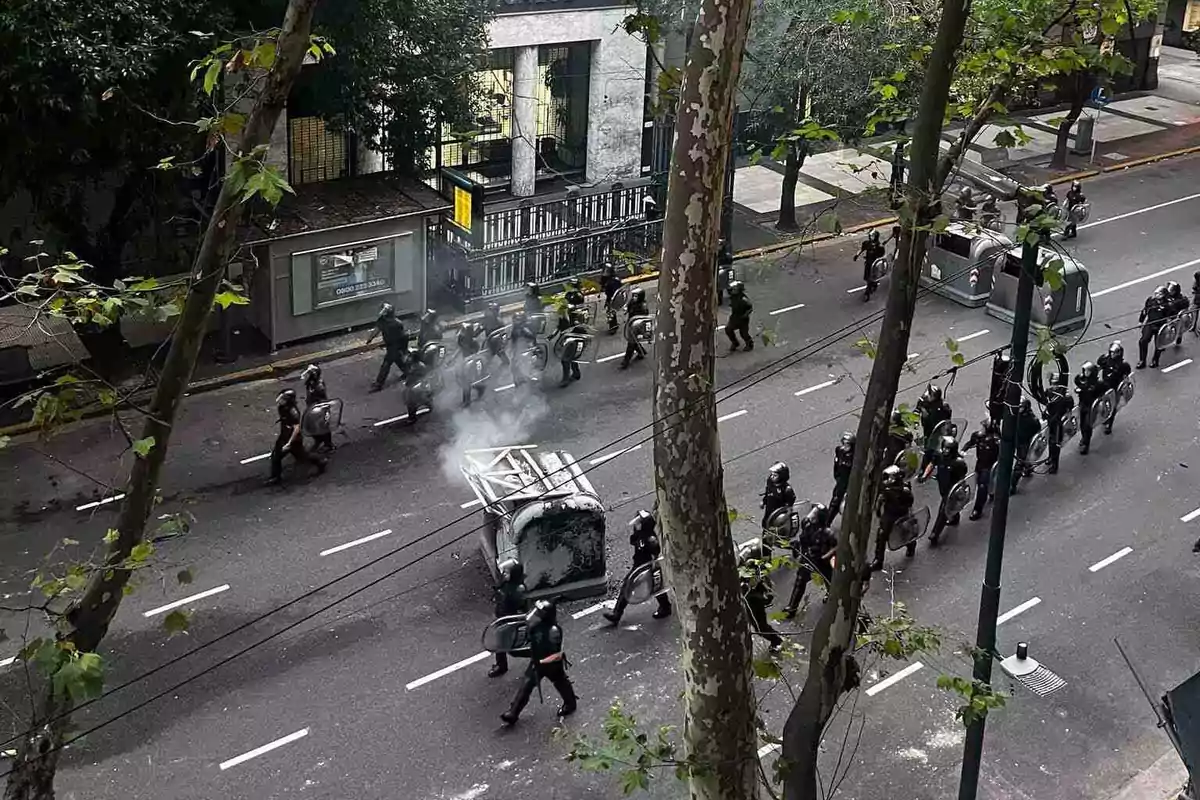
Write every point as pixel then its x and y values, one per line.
pixel 989 601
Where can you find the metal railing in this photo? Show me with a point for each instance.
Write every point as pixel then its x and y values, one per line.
pixel 551 219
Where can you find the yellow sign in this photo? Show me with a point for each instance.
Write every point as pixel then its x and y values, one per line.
pixel 462 207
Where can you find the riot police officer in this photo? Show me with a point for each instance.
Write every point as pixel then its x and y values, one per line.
pixel 779 493
pixel 533 299
pixel 964 209
pixel 1028 426
pixel 894 504
pixel 1074 198
pixel 951 468
pixel 573 292
pixel 315 392
pixel 871 250
pixel 290 439
pixel 1178 304
pixel 843 463
pixel 934 410
pixel 395 342
pixel 467 341
pixel 645 550
pixel 1001 367
pixel 610 284
pixel 989 213
pixel 986 444
pixel 740 309
pixel 724 269
pixel 430 330
pixel 572 349
pixel 417 391
pixel 1196 289
pixel 511 598
pixel 492 322
pixel 1114 369
pixel 546 660
pixel 1155 314
pixel 1089 388
pixel 815 549
pixel 636 307
pixel 1059 403
pixel 900 438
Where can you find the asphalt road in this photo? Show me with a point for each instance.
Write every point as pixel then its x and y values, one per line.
pixel 333 692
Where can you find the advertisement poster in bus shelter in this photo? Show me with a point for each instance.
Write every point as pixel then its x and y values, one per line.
pixel 352 274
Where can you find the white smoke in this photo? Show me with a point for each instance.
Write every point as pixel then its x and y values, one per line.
pixel 495 420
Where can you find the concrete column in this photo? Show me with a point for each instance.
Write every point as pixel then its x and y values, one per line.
pixel 524 121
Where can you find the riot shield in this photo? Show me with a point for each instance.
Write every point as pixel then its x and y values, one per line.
pixel 530 362
pixel 639 329
pixel 909 529
pixel 433 354
pixel 1166 335
pixel 1080 212
pixel 643 583
pixel 1070 426
pixel 1187 320
pixel 1103 407
pixel 473 371
pixel 571 346
pixel 497 340
pixel 1039 445
pixel 909 460
pixel 537 323
pixel 960 496
pixel 881 267
pixel 947 427
pixel 1125 392
pixel 991 223
pixel 579 315
pixel 1054 211
pixel 620 297
pixel 782 525
pixel 507 635
pixel 320 419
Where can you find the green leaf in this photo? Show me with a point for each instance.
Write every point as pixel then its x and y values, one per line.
pixel 227 299
pixel 177 622
pixel 68 542
pixel 144 285
pixel 140 552
pixel 184 576
pixel 951 344
pixel 733 515
pixel 766 669
pixel 210 76
pixel 4 440
pixel 634 779
pixel 111 537
pixel 143 446
pixel 80 678
pixel 264 55
pixel 958 359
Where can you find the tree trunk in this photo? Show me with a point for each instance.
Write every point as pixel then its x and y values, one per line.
pixel 832 667
pixel 719 729
pixel 796 153
pixel 32 774
pixel 1082 87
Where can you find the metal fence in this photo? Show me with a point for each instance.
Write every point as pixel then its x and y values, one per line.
pixel 550 219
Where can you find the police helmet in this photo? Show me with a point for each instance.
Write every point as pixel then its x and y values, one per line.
pixel 1174 289
pixel 493 309
pixel 893 475
pixel 286 398
pixel 1160 293
pixel 543 611
pixel 966 193
pixel 753 550
pixel 1076 185
pixel 848 439
pixel 779 473
pixel 533 289
pixel 1089 369
pixel 637 295
pixel 873 237
pixel 511 571
pixel 817 516
pixel 574 282
pixel 518 317
pixel 386 310
pixel 609 270
pixel 897 419
pixel 1116 349
pixel 311 374
pixel 1026 404
pixel 736 287
pixel 643 521
pixel 430 316
pixel 933 394
pixel 989 425
pixel 949 446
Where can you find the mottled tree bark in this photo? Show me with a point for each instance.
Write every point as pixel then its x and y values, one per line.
pixel 89 617
pixel 832 668
pixel 1081 83
pixel 719 729
pixel 797 151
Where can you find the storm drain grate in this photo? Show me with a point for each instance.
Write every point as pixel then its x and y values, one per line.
pixel 1031 674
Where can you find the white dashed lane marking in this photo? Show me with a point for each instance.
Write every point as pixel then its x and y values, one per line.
pixel 816 388
pixel 974 335
pixel 103 502
pixel 403 416
pixel 4 662
pixel 613 357
pixel 734 415
pixel 1145 278
pixel 471 504
pixel 1174 367
pixel 1117 556
pixel 785 309
pixel 185 601
pixel 504 388
pixel 614 454
pixel 1021 609
pixel 355 543
pixel 1191 515
pixel 266 748
pixel 894 679
pixel 252 459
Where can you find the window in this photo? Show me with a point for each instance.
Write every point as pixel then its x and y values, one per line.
pixel 316 153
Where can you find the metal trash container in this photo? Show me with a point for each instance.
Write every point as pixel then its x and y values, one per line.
pixel 1084 129
pixel 960 261
pixel 1061 310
